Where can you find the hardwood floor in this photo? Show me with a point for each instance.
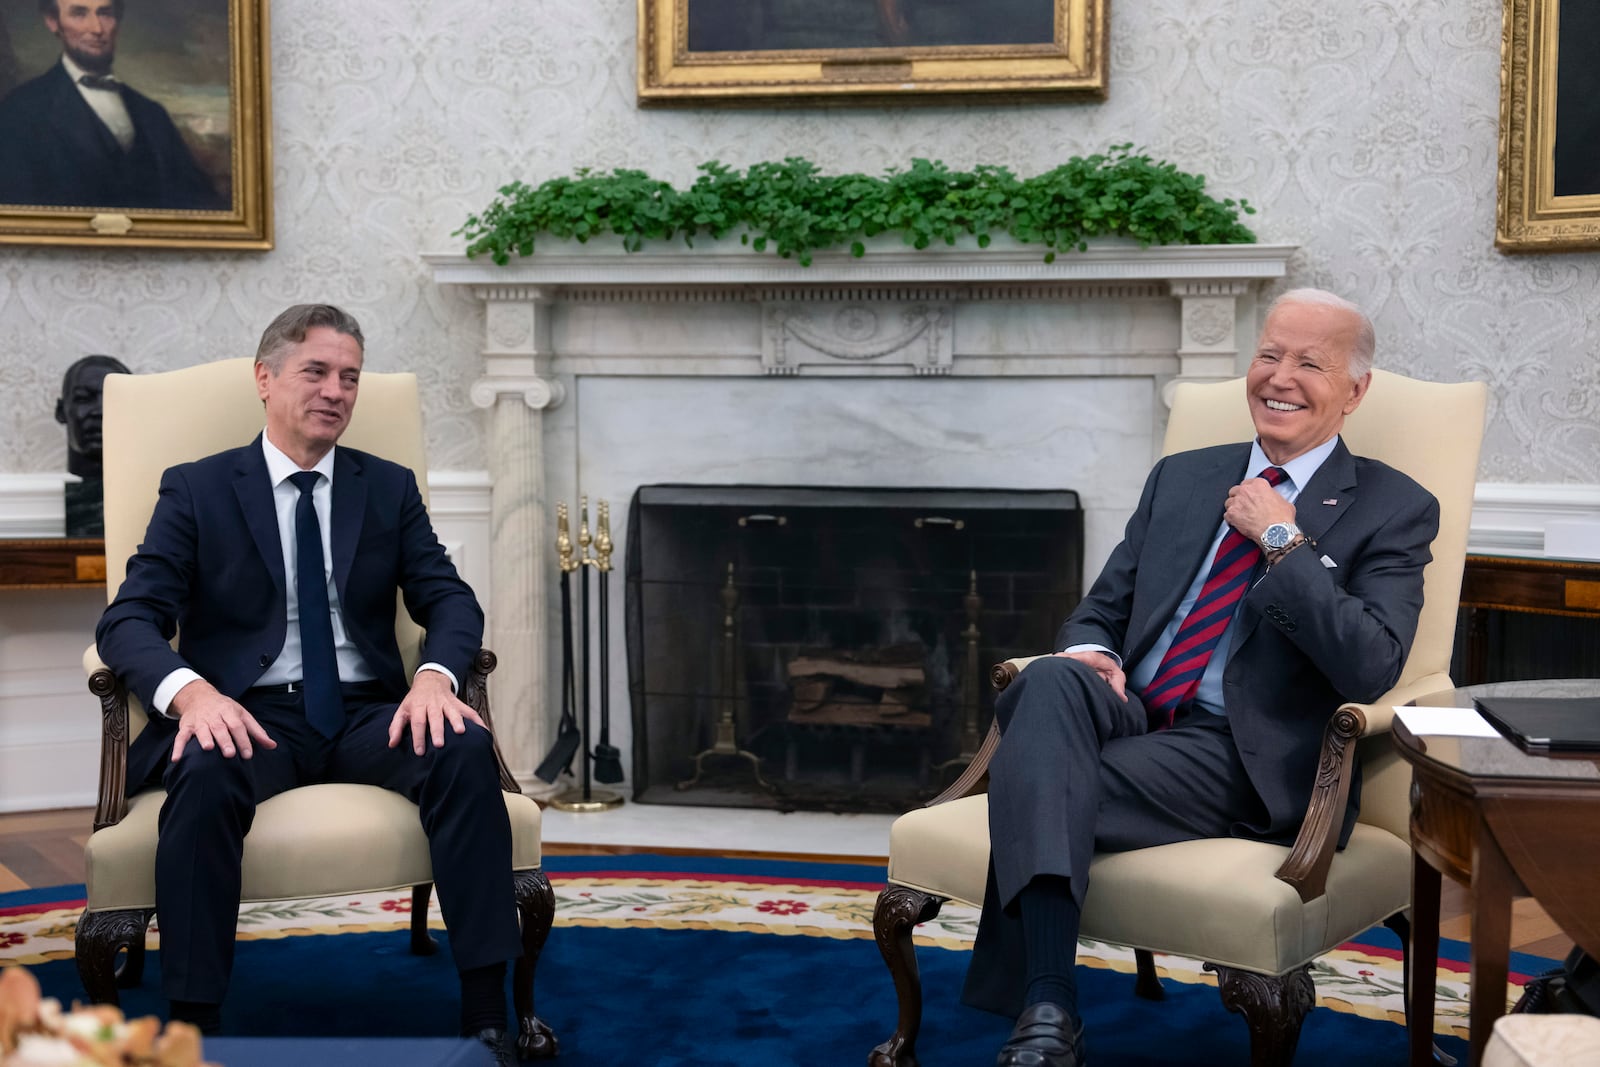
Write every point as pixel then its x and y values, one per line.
pixel 40 849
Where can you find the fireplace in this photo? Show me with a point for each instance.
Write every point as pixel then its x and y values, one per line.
pixel 825 648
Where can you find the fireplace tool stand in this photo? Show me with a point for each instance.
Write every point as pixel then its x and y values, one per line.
pixel 604 758
pixel 723 742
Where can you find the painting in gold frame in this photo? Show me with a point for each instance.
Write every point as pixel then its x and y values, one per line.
pixel 167 142
pixel 1549 127
pixel 809 51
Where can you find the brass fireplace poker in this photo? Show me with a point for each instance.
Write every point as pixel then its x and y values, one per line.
pixel 607 764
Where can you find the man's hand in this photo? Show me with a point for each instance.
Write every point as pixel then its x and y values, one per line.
pixel 216 722
pixel 426 709
pixel 1253 505
pixel 1106 667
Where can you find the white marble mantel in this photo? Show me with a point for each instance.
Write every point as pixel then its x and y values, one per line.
pixel 604 370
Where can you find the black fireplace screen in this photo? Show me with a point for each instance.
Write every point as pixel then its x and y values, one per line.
pixel 828 649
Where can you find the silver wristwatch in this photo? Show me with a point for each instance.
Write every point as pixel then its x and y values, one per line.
pixel 1277 539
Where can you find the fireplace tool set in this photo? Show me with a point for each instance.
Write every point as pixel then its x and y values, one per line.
pixel 602 762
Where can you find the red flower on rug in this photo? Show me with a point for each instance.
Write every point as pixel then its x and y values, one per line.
pixel 783 907
pixel 395 905
pixel 8 940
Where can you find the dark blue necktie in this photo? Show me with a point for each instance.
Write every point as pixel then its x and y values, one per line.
pixel 320 677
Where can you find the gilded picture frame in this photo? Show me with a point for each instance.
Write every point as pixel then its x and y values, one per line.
pixel 172 149
pixel 764 52
pixel 1549 178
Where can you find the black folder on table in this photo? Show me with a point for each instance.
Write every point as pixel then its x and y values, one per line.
pixel 1546 724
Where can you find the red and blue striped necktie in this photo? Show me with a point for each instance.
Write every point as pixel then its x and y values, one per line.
pixel 1178 677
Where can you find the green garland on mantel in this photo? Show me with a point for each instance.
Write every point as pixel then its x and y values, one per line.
pixel 794 208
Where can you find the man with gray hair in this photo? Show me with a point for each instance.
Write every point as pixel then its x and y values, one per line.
pixel 78 136
pixel 277 565
pixel 1257 587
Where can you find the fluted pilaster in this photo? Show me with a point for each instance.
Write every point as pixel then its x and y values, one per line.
pixel 516 348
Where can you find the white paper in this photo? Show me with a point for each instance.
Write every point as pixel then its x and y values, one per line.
pixel 1446 722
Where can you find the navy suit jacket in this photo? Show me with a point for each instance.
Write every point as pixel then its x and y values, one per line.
pixel 1308 636
pixel 59 153
pixel 211 570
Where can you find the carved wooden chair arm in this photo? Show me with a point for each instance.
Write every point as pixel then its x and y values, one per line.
pixel 1306 868
pixel 475 694
pixel 112 803
pixel 975 779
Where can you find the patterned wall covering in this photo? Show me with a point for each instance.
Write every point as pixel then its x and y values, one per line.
pixel 1363 133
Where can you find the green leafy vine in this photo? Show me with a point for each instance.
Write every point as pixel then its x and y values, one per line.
pixel 794 209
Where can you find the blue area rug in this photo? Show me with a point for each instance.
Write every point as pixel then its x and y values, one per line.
pixel 670 960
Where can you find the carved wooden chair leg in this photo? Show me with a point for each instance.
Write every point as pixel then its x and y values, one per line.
pixel 100 936
pixel 898 911
pixel 1148 984
pixel 1273 1008
pixel 536 906
pixel 423 942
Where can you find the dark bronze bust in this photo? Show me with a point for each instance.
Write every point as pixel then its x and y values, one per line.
pixel 79 409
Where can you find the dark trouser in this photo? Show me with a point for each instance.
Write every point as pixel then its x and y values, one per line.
pixel 1076 773
pixel 211 802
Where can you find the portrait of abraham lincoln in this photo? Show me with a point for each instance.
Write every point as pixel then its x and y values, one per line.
pixel 116 105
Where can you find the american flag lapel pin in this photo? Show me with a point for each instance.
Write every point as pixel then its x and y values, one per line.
pixel 1331 501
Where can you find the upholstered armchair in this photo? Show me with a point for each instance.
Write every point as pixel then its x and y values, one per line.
pixel 319 840
pixel 1256 914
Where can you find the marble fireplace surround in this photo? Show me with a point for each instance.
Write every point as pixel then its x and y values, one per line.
pixel 951 367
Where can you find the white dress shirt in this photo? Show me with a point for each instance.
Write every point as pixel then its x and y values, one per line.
pixel 107 103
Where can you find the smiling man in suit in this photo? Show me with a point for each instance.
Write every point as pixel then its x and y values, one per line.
pixel 77 136
pixel 1257 587
pixel 277 566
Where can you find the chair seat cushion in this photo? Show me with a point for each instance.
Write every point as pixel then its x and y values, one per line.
pixel 1215 900
pixel 1543 1041
pixel 318 840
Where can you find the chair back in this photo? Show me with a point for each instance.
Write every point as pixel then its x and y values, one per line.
pixel 1431 431
pixel 153 421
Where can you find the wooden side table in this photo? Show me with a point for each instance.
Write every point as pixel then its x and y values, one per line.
pixel 1502 823
pixel 1526 585
pixel 52 563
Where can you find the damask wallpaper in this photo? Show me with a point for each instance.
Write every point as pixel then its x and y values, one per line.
pixel 1363 133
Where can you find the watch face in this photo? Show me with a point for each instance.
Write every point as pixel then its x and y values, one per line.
pixel 1277 535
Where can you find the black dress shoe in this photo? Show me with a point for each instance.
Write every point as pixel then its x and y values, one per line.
pixel 498 1044
pixel 1043 1037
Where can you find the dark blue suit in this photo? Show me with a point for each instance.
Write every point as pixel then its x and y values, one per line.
pixel 211 569
pixel 58 152
pixel 1307 637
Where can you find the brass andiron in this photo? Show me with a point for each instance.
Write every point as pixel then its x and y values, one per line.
pixel 586 798
pixel 970 738
pixel 723 741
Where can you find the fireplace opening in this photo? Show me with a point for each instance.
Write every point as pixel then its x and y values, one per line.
pixel 828 649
